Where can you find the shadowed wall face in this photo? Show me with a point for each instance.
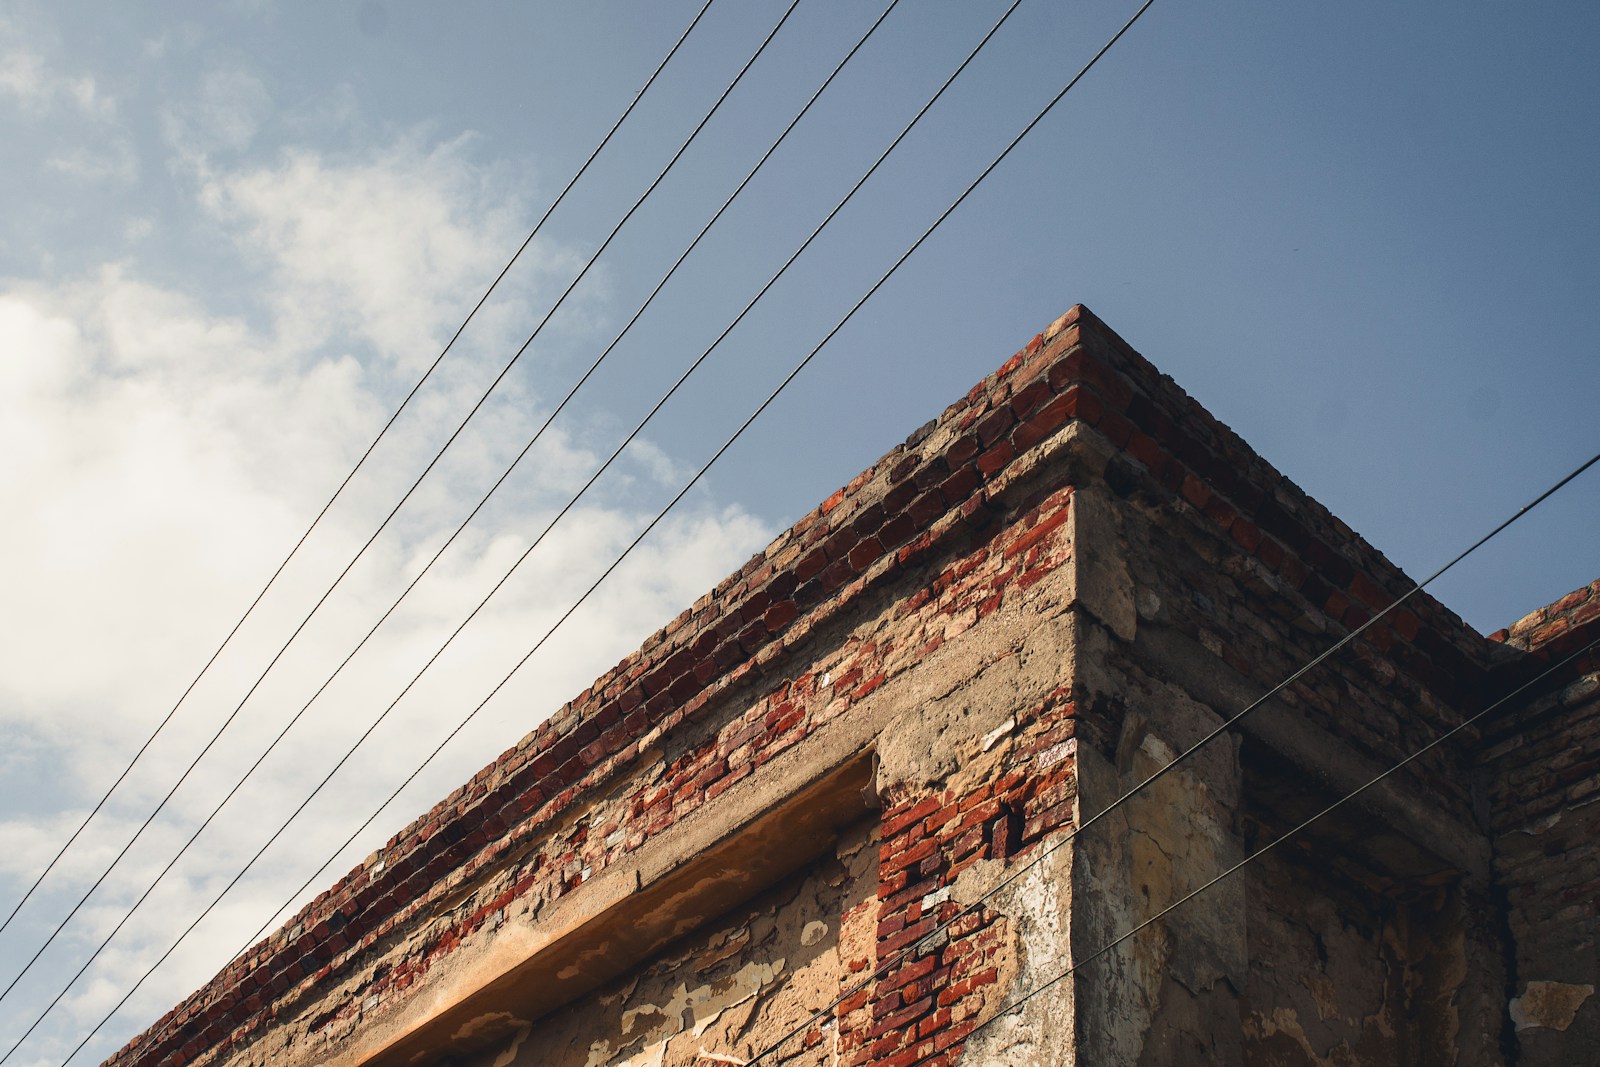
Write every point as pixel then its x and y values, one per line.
pixel 1542 763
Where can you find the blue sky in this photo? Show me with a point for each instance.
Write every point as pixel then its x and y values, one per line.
pixel 1366 236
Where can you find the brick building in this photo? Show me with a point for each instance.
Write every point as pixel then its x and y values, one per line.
pixel 834 803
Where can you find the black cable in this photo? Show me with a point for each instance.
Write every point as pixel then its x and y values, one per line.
pixel 1163 913
pixel 348 566
pixel 915 946
pixel 694 366
pixel 482 502
pixel 606 352
pixel 359 464
pixel 804 362
pixel 656 408
pixel 507 473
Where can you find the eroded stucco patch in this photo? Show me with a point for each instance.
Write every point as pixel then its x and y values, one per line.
pixel 722 994
pixel 1552 1005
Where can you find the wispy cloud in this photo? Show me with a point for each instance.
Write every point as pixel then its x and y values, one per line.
pixel 342 258
pixel 30 81
pixel 222 117
pixel 111 160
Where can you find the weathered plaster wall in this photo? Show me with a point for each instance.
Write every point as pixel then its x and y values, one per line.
pixel 1206 578
pixel 854 771
pixel 1274 965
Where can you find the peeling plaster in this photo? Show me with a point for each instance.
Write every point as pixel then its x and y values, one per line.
pixel 723 992
pixel 1037 905
pixel 506 1058
pixel 694 1009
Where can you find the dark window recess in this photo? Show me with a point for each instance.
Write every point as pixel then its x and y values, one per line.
pixel 1005 833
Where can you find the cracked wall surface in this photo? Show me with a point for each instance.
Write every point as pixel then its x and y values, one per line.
pixel 866 797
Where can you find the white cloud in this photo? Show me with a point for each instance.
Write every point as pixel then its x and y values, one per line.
pixel 342 259
pixel 88 97
pixel 173 41
pixel 29 80
pixel 162 456
pixel 22 76
pixel 149 439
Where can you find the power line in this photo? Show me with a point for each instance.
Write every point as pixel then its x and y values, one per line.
pixel 918 944
pixel 720 452
pixel 804 362
pixel 404 403
pixel 637 429
pixel 482 502
pixel 393 511
pixel 607 351
pixel 681 380
pixel 503 477
pixel 359 464
pixel 1164 912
